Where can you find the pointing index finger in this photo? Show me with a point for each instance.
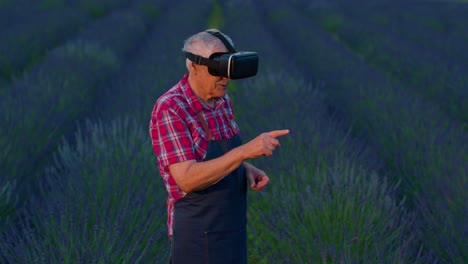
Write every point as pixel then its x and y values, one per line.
pixel 278 133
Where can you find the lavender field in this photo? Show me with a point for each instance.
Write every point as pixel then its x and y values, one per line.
pixel 374 94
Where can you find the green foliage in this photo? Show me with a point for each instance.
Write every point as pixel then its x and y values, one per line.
pixel 97 9
pixel 36 56
pixel 380 19
pixel 5 3
pixel 8 199
pixel 333 22
pixel 49 4
pixel 93 8
pixel 434 24
pixel 215 20
pixel 329 19
pixel 149 10
pixel 278 15
pixel 3 84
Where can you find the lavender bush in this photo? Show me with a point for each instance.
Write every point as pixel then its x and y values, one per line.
pixel 24 44
pixel 100 8
pixel 153 47
pixel 50 98
pixel 418 143
pixel 430 72
pixel 102 203
pixel 46 113
pixel 3 84
pixel 129 29
pixel 149 9
pixel 14 14
pixel 342 214
pixel 435 25
pixel 249 32
pixel 325 201
pixel 25 235
pixel 8 199
pixel 155 67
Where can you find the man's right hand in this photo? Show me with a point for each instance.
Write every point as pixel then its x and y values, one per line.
pixel 264 144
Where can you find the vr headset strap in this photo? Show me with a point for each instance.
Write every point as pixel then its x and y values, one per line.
pixel 223 39
pixel 202 61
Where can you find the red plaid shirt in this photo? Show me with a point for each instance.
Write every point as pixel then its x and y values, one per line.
pixel 177 133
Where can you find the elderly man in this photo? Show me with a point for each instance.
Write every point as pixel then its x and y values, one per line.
pixel 201 157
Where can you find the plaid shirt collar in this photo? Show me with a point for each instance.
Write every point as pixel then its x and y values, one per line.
pixel 193 100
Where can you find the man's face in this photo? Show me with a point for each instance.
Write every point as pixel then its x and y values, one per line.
pixel 211 86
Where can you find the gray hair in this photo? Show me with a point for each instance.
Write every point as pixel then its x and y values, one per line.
pixel 203 43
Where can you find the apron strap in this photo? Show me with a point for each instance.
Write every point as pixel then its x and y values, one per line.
pixel 205 125
pixel 229 121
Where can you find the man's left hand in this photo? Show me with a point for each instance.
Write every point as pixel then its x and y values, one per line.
pixel 257 178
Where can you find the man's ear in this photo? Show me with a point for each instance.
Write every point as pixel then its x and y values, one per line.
pixel 193 67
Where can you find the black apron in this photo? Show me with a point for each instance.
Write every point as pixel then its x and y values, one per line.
pixel 210 224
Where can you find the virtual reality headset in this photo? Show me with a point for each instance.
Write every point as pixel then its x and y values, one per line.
pixel 232 64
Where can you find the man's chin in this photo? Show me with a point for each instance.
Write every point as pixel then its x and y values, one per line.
pixel 222 90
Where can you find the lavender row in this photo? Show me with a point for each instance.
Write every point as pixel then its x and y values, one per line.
pixel 21 12
pixel 431 72
pixel 30 29
pixel 110 168
pixel 438 25
pixel 155 67
pixel 100 8
pixel 435 25
pixel 104 202
pixel 248 33
pixel 427 72
pixel 419 145
pixel 26 43
pixel 278 80
pixel 17 12
pixel 129 28
pixel 45 104
pixel 107 172
pixel 3 83
pixel 150 10
pixel 320 171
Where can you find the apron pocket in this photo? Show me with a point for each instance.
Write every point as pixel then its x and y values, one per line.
pixel 226 247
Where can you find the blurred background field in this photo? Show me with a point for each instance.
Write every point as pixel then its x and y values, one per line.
pixel 374 94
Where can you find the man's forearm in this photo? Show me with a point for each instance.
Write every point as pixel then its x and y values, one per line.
pixel 199 175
